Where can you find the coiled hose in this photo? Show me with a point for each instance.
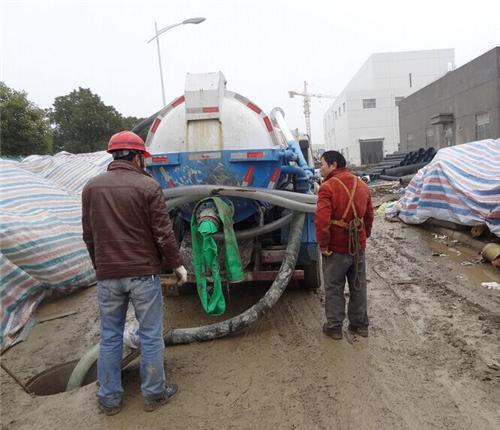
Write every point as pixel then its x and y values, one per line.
pixel 300 203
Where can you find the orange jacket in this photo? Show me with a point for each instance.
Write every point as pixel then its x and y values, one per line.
pixel 332 203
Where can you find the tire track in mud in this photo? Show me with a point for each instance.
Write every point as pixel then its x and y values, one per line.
pixel 450 329
pixel 433 305
pixel 340 392
pixel 257 378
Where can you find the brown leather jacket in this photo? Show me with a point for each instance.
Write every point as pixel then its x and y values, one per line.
pixel 126 226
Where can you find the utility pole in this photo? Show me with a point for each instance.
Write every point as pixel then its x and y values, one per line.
pixel 307 104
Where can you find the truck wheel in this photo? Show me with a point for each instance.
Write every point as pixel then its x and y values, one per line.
pixel 312 278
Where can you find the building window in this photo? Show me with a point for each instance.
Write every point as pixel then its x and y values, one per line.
pixel 398 100
pixel 483 126
pixel 369 103
pixel 429 137
pixel 343 107
pixel 448 134
pixel 409 142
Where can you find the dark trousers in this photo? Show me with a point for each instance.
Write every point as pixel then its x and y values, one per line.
pixel 336 268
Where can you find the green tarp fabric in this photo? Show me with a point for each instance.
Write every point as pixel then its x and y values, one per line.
pixel 205 257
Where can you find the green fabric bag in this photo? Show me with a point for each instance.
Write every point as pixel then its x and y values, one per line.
pixel 205 256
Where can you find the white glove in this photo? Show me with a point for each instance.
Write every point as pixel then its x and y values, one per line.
pixel 181 274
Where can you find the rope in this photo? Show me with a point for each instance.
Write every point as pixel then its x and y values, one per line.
pixel 355 225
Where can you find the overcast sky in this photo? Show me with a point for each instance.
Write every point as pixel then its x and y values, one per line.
pixel 263 47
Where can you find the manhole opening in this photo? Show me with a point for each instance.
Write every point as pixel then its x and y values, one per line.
pixel 55 379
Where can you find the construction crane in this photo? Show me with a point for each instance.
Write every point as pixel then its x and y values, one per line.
pixel 307 104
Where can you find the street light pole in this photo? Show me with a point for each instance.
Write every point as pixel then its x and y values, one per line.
pixel 156 36
pixel 159 62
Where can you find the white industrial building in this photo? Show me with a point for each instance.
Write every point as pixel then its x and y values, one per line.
pixel 363 122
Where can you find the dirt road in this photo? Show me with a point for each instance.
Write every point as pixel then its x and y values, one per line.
pixel 432 359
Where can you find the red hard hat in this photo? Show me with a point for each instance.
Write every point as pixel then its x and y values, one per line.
pixel 127 140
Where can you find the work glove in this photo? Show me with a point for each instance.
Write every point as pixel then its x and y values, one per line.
pixel 181 274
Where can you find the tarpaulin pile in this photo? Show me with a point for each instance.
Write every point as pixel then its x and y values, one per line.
pixel 42 251
pixel 461 185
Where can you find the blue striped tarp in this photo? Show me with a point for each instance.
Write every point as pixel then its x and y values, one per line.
pixel 461 185
pixel 42 251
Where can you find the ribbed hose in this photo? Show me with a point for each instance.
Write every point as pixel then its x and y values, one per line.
pixel 88 360
pixel 260 230
pixel 189 194
pixel 82 367
pixel 197 334
pixel 202 190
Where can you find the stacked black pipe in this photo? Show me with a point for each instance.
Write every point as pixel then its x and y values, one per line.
pixel 401 163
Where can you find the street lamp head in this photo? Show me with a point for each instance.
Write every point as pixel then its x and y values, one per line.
pixel 163 30
pixel 291 94
pixel 194 20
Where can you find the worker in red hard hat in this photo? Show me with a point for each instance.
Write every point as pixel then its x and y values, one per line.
pixel 127 140
pixel 129 237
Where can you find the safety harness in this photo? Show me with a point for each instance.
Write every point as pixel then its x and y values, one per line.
pixel 353 226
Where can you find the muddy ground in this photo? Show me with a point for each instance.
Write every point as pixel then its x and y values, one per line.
pixel 432 359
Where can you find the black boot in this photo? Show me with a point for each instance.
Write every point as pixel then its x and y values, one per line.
pixel 333 332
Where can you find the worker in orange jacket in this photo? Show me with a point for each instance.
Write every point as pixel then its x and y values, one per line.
pixel 344 218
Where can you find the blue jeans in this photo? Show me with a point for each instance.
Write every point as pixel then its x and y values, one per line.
pixel 113 297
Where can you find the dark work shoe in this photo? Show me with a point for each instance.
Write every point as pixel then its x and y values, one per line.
pixel 361 331
pixel 109 410
pixel 151 405
pixel 333 332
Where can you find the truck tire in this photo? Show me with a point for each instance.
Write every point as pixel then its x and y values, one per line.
pixel 312 278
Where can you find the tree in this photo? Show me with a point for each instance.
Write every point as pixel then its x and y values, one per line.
pixel 24 127
pixel 83 123
pixel 129 122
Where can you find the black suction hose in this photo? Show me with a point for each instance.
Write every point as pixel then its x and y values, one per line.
pixel 176 336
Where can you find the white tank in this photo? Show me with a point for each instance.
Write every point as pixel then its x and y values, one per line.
pixel 208 117
pixel 214 136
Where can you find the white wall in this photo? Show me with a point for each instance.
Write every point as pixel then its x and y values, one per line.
pixel 380 122
pixel 382 77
